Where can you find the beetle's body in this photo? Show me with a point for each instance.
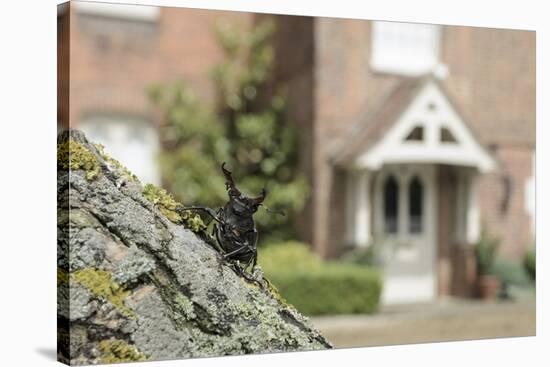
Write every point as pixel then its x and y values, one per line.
pixel 235 230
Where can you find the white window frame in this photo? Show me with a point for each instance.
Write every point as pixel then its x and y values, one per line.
pixel 393 48
pixel 117 126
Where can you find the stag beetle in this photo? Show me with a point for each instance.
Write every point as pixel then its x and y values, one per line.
pixel 234 226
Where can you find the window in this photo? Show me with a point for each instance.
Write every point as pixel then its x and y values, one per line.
pixel 416 134
pixel 446 136
pixel 391 200
pixel 132 141
pixel 416 196
pixel 404 48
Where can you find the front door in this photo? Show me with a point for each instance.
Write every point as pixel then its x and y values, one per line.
pixel 405 231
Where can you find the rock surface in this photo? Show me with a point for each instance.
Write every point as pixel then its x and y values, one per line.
pixel 136 283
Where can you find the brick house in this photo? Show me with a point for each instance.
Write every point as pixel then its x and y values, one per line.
pixel 413 136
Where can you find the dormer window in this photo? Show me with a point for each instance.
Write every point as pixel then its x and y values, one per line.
pixel 446 136
pixel 416 134
pixel 404 48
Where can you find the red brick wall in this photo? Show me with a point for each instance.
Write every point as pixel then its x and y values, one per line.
pixel 510 221
pixel 491 80
pixel 113 60
pixel 293 68
pixel 63 62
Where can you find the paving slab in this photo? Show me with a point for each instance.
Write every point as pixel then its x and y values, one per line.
pixel 446 320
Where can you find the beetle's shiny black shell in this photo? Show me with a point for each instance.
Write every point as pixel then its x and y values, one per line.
pixel 238 230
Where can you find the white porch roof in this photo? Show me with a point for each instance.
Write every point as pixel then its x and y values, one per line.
pixel 427 128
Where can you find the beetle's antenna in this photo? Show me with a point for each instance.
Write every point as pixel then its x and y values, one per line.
pixel 273 211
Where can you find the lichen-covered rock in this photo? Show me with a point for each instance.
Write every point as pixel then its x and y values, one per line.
pixel 136 282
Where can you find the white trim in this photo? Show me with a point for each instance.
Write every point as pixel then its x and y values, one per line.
pixel 358 208
pixel 124 11
pixel 393 149
pixel 362 217
pixel 350 208
pixel 473 221
pixel 530 194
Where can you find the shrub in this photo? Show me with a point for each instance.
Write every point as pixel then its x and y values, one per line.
pixel 369 256
pixel 288 256
pixel 511 273
pixel 530 263
pixel 317 288
pixel 333 289
pixel 248 128
pixel 486 251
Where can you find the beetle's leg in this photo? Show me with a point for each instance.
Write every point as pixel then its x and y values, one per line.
pixel 209 211
pixel 216 231
pixel 243 273
pixel 255 259
pixel 235 251
pixel 252 261
pixel 216 242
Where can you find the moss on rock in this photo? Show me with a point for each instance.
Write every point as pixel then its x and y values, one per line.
pixel 163 201
pixel 167 206
pixel 116 351
pixel 62 277
pixel 74 155
pixel 99 282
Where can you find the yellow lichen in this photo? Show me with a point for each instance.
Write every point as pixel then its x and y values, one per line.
pixel 116 351
pixel 99 282
pixel 275 293
pixel 167 206
pixel 163 201
pixel 73 155
pixel 62 277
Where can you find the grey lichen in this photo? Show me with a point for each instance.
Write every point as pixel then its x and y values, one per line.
pixel 135 264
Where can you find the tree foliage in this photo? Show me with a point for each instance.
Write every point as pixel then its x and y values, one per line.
pixel 247 129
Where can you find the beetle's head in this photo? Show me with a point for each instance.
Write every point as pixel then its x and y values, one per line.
pixel 241 204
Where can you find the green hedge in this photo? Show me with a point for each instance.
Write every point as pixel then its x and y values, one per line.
pixel 288 256
pixel 335 289
pixel 317 288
